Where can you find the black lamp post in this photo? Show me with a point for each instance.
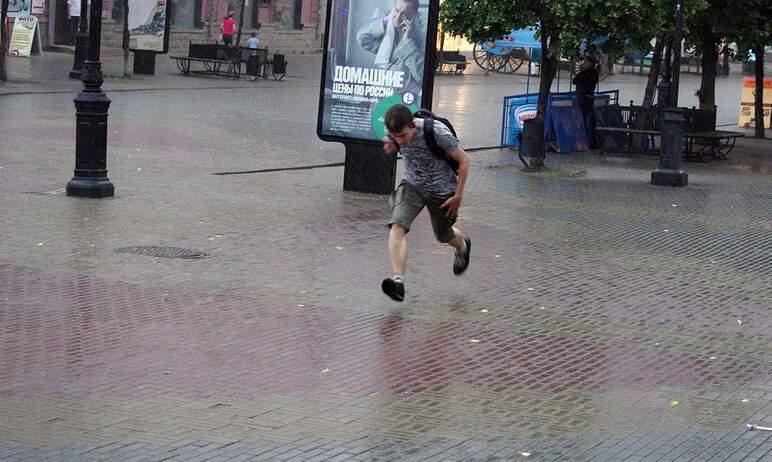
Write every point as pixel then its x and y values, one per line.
pixel 91 107
pixel 672 119
pixel 678 36
pixel 81 42
pixel 241 24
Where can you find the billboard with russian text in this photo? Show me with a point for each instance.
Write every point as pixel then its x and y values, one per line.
pixel 375 57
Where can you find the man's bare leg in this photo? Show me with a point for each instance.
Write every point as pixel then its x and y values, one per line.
pixel 398 249
pixel 393 286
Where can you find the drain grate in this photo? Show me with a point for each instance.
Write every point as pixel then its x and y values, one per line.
pixel 162 252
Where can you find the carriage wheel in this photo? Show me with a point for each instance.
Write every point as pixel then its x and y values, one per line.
pixel 482 57
pixel 511 64
pixel 498 62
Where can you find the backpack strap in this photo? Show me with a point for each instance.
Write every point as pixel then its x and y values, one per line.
pixel 431 141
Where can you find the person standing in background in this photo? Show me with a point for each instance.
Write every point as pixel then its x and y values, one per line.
pixel 253 41
pixel 228 26
pixel 73 10
pixel 586 82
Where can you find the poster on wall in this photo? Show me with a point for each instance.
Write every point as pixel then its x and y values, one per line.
pixel 148 25
pixel 375 55
pixel 18 8
pixel 38 6
pixel 23 35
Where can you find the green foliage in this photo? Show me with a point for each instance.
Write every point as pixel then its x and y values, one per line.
pixel 478 20
pixel 630 25
pixel 753 28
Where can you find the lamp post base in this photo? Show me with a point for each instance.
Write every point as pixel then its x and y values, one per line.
pixel 666 177
pixel 669 172
pixel 91 106
pixel 90 187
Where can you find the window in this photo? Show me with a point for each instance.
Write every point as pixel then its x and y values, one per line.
pixel 186 13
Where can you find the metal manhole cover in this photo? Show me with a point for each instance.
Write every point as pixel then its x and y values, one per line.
pixel 163 252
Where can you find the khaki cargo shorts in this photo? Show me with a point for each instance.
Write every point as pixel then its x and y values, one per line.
pixel 407 202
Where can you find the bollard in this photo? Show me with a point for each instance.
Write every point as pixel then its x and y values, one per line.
pixel 669 172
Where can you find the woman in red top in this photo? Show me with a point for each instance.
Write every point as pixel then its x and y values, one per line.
pixel 228 26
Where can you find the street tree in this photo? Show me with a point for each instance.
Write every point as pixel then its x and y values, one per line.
pixel 662 28
pixel 211 27
pixel 707 33
pixel 3 41
pixel 753 37
pixel 126 38
pixel 562 26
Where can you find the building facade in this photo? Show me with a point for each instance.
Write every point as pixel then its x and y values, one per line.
pixel 283 26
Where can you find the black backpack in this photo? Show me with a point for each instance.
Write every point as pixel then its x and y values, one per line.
pixel 431 142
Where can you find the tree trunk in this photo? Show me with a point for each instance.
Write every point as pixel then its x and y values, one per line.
pixel 648 96
pixel 707 92
pixel 548 67
pixel 126 71
pixel 3 45
pixel 212 19
pixel 759 93
pixel 241 24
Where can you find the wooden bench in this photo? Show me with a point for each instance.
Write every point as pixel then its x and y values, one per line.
pixel 227 61
pixel 603 131
pixel 718 143
pixel 451 62
pixel 215 59
pixel 700 135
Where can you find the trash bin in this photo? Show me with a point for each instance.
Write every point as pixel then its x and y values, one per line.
pixel 144 62
pixel 253 66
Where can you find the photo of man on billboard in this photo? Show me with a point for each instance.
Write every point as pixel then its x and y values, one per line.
pixel 398 40
pixel 147 25
pixel 375 59
pixel 18 8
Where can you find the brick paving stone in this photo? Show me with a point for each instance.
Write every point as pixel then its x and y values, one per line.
pixel 762 452
pixel 610 328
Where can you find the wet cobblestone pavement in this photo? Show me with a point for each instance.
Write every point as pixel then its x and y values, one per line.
pixel 601 318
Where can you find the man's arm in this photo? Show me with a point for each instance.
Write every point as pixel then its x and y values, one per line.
pixel 411 56
pixel 371 35
pixel 389 145
pixel 454 202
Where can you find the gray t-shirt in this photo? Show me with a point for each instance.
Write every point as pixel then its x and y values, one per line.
pixel 423 169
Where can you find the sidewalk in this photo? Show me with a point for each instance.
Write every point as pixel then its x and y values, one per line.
pixel 49 73
pixel 601 318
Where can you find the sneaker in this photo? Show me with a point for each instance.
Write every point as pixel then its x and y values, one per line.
pixel 394 289
pixel 461 262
